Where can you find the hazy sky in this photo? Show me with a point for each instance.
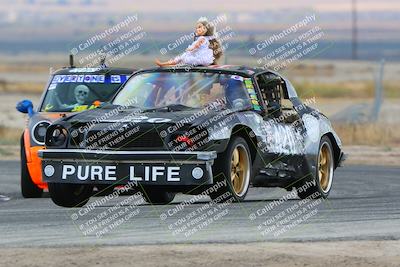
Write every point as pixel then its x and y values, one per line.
pixel 29 23
pixel 199 5
pixel 52 18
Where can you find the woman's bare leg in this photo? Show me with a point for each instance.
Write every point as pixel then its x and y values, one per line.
pixel 166 63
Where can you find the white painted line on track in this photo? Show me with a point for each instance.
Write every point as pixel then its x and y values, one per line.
pixel 4 198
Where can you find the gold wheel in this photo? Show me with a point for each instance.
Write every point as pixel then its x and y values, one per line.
pixel 325 167
pixel 240 170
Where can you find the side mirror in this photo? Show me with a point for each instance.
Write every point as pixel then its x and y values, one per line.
pixel 25 106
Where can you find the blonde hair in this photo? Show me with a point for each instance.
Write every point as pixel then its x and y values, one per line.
pixel 215 44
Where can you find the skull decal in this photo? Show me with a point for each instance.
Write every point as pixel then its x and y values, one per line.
pixel 81 94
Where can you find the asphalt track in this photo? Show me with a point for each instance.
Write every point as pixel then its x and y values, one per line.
pixel 364 205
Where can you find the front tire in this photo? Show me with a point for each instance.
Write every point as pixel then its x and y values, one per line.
pixel 28 188
pixel 70 195
pixel 232 170
pixel 321 184
pixel 104 190
pixel 157 196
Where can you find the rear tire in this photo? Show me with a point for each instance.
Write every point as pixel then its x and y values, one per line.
pixel 28 188
pixel 321 183
pixel 157 196
pixel 70 195
pixel 232 170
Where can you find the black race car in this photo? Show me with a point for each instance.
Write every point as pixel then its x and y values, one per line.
pixel 214 130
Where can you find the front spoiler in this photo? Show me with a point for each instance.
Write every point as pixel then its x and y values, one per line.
pixel 120 167
pixel 125 155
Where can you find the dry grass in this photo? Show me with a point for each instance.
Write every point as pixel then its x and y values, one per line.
pixel 9 143
pixel 22 87
pixel 311 69
pixel 361 89
pixel 9 136
pixel 369 134
pixel 24 68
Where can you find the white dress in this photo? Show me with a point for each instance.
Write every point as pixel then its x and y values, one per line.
pixel 203 55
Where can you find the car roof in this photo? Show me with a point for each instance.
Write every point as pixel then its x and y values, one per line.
pixel 233 69
pixel 97 70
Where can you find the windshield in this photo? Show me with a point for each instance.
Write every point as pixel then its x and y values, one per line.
pixel 188 89
pixel 72 93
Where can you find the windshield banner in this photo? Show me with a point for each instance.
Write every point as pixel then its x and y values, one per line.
pixel 90 78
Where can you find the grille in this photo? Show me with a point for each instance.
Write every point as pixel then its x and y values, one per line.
pixel 76 135
pixel 126 139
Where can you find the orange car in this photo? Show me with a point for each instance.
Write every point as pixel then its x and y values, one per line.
pixel 68 90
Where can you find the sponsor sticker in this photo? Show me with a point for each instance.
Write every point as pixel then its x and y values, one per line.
pixel 80 78
pixel 77 70
pixel 138 173
pixel 100 79
pixel 93 78
pixel 115 79
pixel 257 107
pixel 89 78
pixel 252 94
pixel 59 78
pixel 248 83
pixel 237 77
pixel 56 78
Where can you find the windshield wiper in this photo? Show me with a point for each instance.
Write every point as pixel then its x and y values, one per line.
pixel 121 107
pixel 168 108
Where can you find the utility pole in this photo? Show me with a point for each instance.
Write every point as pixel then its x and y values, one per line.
pixel 354 29
pixel 378 91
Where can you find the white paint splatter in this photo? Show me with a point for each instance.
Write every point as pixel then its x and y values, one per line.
pixel 283 139
pixel 312 126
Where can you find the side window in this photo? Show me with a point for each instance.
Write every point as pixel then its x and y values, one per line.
pixel 274 94
pixel 271 92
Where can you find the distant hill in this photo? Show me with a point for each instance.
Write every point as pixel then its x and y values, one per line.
pixel 54 26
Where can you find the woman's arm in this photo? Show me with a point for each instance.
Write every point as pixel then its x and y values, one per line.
pixel 197 44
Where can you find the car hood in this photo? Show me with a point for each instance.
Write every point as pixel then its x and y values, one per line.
pixel 51 116
pixel 108 115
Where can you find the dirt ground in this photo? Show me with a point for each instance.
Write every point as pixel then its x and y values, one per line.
pixel 371 155
pixel 342 253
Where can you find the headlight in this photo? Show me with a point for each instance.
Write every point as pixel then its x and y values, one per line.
pixel 56 136
pixel 39 132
